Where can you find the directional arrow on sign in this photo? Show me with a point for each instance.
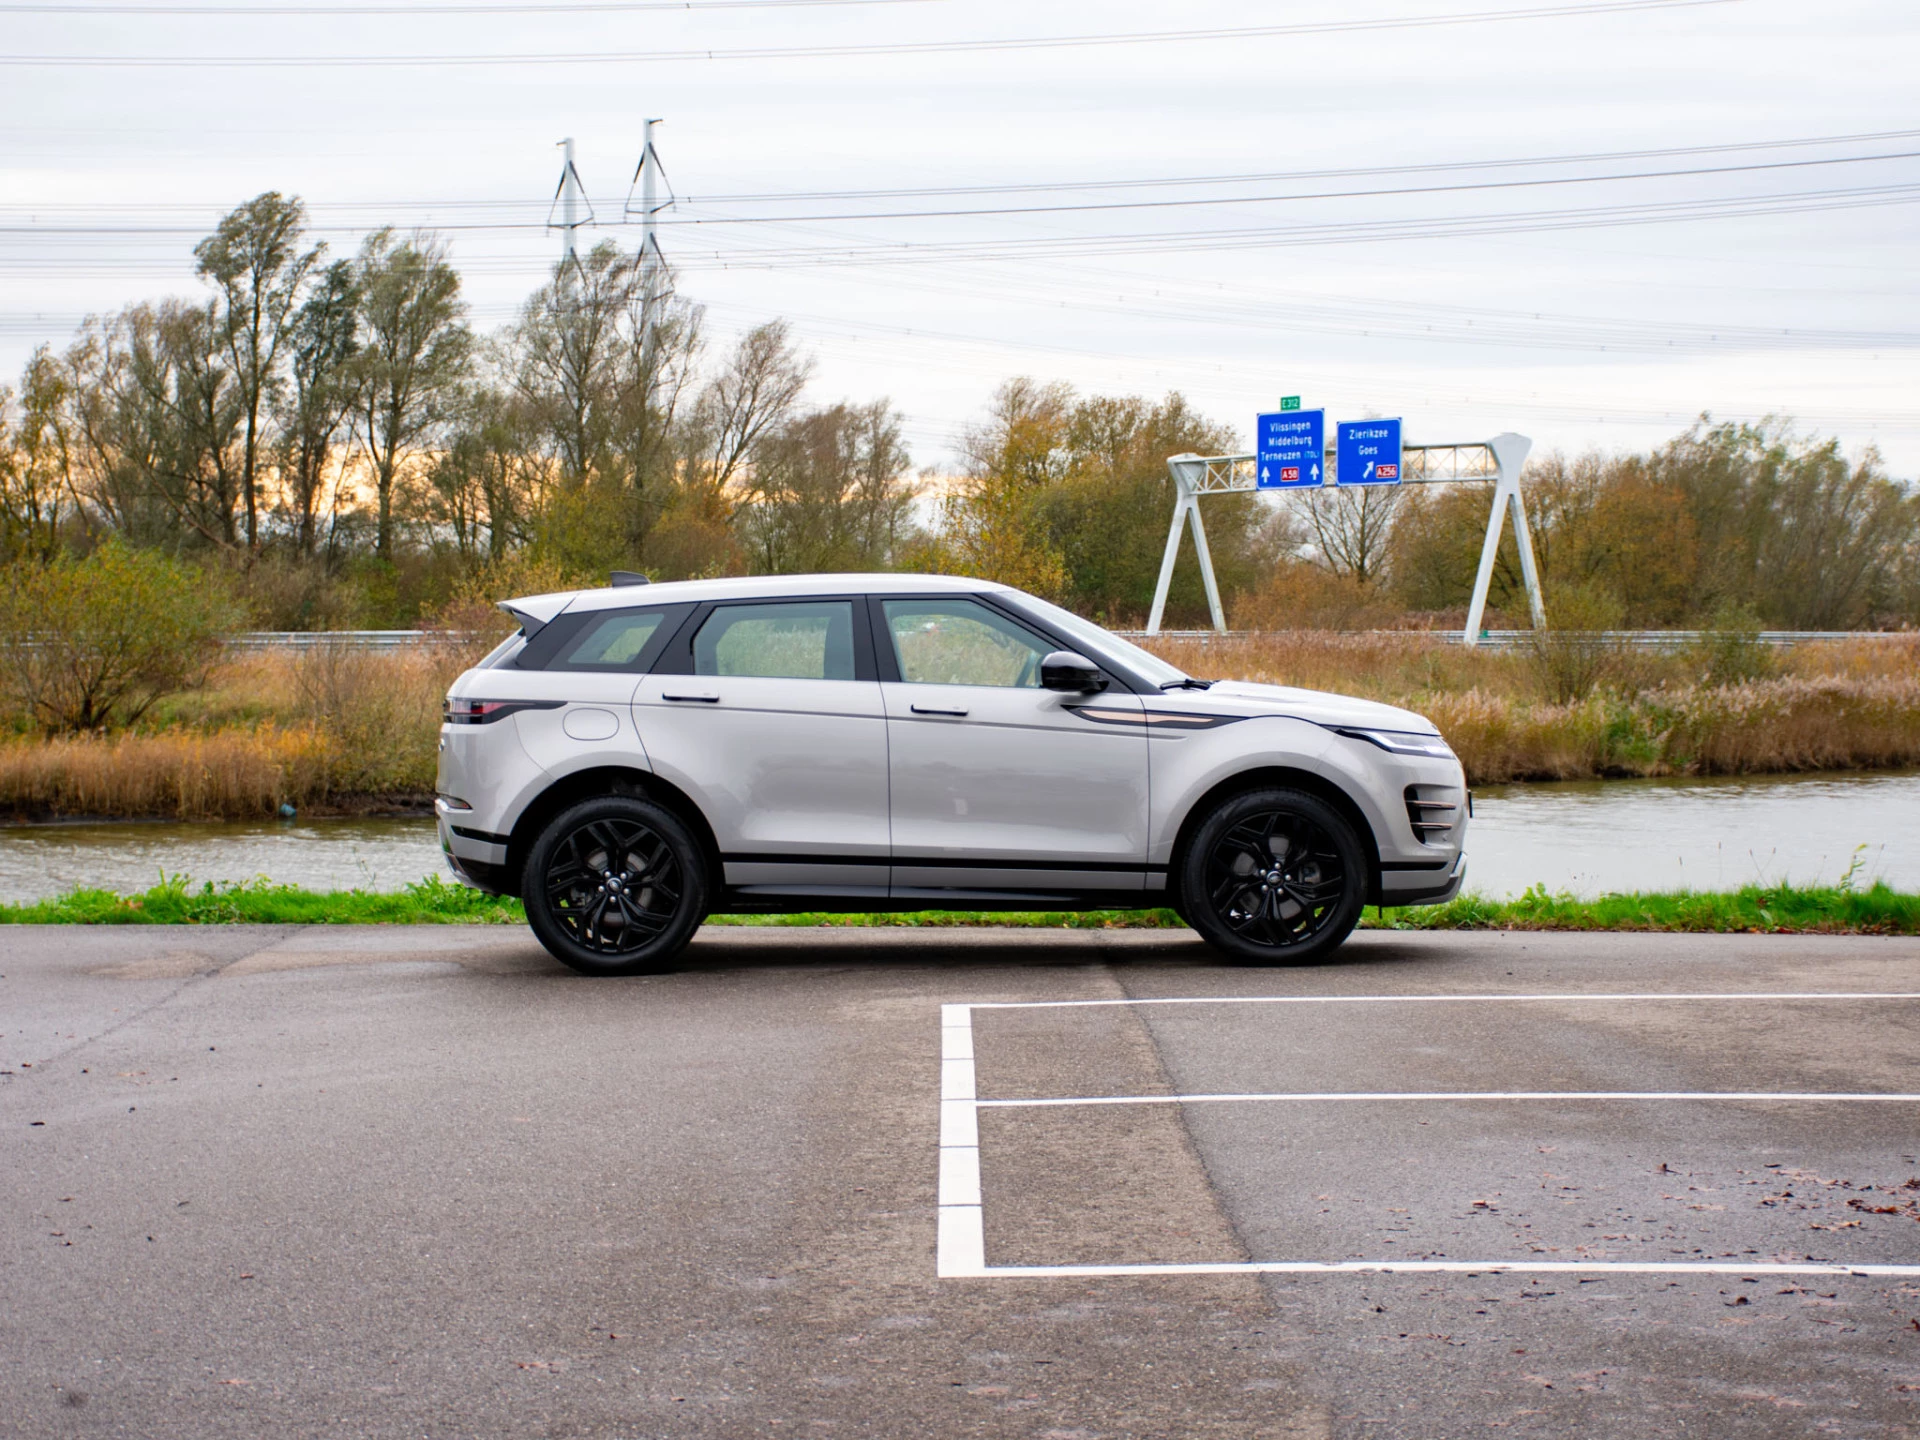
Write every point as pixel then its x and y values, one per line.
pixel 1316 473
pixel 1265 473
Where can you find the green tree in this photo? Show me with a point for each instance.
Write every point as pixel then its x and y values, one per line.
pixel 415 354
pixel 322 392
pixel 254 261
pixel 94 642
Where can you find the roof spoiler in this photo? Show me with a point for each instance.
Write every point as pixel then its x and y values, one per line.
pixel 530 624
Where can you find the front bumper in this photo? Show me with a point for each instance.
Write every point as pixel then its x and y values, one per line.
pixel 1423 887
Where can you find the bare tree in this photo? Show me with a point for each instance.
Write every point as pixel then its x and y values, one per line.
pixel 830 492
pixel 255 263
pixel 414 356
pixel 755 392
pixel 1352 526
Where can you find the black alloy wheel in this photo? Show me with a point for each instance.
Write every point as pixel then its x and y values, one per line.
pixel 1274 877
pixel 615 886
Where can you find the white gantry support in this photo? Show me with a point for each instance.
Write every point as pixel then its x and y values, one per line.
pixel 1509 454
pixel 1498 460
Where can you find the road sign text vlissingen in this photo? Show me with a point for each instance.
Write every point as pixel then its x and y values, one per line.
pixel 1290 448
pixel 1367 452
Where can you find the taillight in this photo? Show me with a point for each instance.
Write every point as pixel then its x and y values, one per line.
pixel 462 711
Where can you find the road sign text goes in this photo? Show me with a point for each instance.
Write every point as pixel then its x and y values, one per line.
pixel 1290 449
pixel 1367 452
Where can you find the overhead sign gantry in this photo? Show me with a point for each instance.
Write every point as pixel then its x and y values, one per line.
pixel 1291 453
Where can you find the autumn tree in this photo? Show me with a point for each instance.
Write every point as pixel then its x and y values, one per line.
pixel 36 459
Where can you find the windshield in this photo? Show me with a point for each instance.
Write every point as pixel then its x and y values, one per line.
pixel 1144 663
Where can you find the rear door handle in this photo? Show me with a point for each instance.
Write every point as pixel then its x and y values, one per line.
pixel 705 698
pixel 935 710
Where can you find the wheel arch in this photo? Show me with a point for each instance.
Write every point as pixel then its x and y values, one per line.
pixel 1259 779
pixel 609 780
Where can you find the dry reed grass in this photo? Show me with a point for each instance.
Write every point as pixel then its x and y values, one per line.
pixel 344 727
pixel 1848 704
pixel 335 727
pixel 230 774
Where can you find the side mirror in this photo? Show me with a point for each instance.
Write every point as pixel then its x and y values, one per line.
pixel 1064 670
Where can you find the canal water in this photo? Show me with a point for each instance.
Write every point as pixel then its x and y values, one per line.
pixel 1585 838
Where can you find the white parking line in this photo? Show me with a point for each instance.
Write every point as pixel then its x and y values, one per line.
pixel 1439 1267
pixel 1759 995
pixel 960 1251
pixel 1305 1095
pixel 960 1246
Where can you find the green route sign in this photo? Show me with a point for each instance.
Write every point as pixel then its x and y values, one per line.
pixel 1289 402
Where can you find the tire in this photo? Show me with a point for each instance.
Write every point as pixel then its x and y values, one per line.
pixel 1301 906
pixel 615 886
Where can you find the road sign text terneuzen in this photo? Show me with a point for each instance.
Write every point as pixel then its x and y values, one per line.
pixel 1290 449
pixel 1367 452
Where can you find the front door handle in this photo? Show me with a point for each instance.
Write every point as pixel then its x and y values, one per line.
pixel 935 710
pixel 705 697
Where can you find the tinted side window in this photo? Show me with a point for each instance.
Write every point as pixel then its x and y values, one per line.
pixel 788 640
pixel 959 642
pixel 611 642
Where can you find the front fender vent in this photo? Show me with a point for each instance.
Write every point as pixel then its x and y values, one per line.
pixel 1432 811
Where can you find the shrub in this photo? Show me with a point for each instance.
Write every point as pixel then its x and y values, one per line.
pixel 1575 654
pixel 86 644
pixel 1730 651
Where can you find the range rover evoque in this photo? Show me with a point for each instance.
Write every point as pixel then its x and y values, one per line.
pixel 638 757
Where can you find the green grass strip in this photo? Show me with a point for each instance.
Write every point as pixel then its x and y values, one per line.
pixel 1775 909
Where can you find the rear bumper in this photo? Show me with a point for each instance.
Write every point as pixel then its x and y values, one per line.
pixel 476 858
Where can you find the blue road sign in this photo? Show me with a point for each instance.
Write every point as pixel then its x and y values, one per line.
pixel 1367 452
pixel 1290 449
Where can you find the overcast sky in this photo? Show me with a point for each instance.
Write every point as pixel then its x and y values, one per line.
pixel 1780 287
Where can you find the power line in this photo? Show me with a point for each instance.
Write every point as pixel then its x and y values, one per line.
pixel 1281 176
pixel 390 203
pixel 1313 195
pixel 1325 233
pixel 1016 211
pixel 922 47
pixel 553 7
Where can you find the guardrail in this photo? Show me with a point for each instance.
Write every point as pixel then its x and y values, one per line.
pixel 1509 639
pixel 1497 639
pixel 344 639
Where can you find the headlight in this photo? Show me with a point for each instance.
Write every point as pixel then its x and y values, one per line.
pixel 1401 742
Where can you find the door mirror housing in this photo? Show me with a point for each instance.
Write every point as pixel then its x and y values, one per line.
pixel 1064 670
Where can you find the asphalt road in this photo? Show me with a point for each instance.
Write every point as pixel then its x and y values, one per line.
pixel 424 1182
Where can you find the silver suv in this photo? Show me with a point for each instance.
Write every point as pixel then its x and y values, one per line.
pixel 637 758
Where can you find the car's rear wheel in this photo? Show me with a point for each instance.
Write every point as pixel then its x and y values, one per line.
pixel 615 886
pixel 1274 877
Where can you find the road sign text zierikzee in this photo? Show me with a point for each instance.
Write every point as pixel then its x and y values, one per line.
pixel 1367 452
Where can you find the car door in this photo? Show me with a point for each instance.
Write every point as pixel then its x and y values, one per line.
pixel 998 785
pixel 768 713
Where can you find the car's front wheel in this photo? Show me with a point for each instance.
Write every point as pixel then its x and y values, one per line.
pixel 615 886
pixel 1274 877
